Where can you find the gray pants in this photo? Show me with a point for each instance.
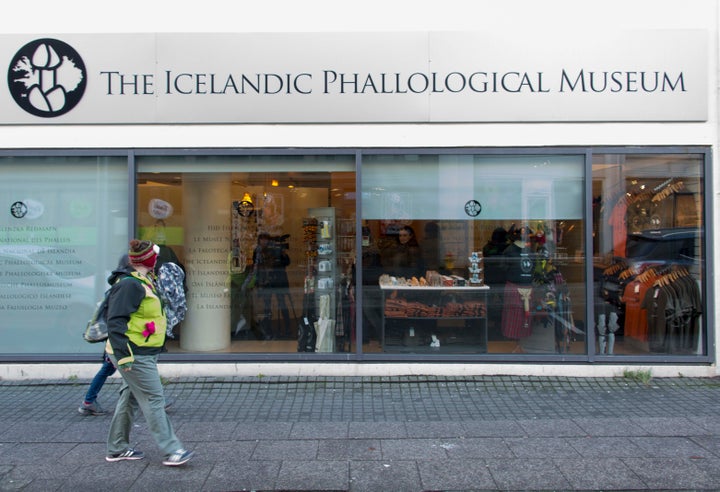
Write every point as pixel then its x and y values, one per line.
pixel 141 388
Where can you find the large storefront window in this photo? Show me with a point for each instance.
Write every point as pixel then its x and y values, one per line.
pixel 473 254
pixel 438 255
pixel 63 227
pixel 649 257
pixel 267 243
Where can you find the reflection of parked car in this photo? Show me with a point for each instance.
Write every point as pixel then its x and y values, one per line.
pixel 656 247
pixel 45 291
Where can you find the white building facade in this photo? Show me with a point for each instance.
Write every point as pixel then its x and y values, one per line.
pixel 556 170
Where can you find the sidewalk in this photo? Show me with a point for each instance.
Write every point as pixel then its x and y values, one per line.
pixel 378 434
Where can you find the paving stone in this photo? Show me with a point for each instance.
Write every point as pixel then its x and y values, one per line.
pixel 242 475
pixel 282 450
pixel 669 426
pixel 527 474
pixel 412 449
pixel 670 447
pixel 550 428
pixel 317 475
pixel 475 447
pixel 456 474
pixel 372 476
pixel 349 449
pixel 604 474
pixel 606 447
pixel 541 447
pixel 672 473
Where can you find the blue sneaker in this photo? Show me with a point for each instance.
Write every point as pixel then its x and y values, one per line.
pixel 128 454
pixel 179 457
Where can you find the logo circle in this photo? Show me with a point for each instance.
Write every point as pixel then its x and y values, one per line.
pixel 47 77
pixel 473 208
pixel 245 208
pixel 18 210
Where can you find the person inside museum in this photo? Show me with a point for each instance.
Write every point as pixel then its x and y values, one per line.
pixel 270 261
pixel 407 260
pixel 371 271
pixel 518 265
pixel 495 273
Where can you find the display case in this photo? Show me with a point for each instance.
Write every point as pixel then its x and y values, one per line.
pixel 442 319
pixel 324 266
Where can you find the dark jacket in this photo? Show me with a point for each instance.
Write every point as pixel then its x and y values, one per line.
pixel 408 261
pixel 270 267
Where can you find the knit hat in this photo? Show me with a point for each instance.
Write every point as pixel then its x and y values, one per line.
pixel 143 253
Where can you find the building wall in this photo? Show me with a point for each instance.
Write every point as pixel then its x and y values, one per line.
pixel 529 17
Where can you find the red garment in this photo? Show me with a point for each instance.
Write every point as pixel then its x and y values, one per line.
pixel 516 322
pixel 635 315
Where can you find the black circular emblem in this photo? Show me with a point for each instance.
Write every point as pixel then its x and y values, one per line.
pixel 245 208
pixel 18 210
pixel 473 208
pixel 526 265
pixel 47 77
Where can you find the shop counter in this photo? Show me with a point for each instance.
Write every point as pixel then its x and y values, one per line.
pixel 455 315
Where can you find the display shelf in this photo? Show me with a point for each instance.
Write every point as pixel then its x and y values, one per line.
pixel 410 315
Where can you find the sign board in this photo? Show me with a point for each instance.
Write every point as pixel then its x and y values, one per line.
pixel 409 77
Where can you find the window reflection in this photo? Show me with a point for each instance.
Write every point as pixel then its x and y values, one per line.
pixel 647 243
pixel 259 275
pixel 473 254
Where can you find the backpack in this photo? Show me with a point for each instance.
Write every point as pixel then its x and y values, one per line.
pixel 171 288
pixel 96 329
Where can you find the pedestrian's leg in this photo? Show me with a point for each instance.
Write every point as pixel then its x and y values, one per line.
pixel 122 421
pixel 106 370
pixel 146 387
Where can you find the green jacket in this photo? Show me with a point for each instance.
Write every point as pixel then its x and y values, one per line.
pixel 136 320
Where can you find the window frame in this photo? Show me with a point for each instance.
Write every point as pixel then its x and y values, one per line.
pixel 590 357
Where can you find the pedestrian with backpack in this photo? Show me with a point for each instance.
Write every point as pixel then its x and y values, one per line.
pixel 136 336
pixel 90 405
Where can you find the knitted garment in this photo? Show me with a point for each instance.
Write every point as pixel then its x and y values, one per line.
pixel 146 256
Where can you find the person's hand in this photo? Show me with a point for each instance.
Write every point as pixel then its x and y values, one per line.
pixel 126 367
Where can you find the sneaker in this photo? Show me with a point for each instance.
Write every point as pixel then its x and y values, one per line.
pixel 179 457
pixel 128 454
pixel 93 408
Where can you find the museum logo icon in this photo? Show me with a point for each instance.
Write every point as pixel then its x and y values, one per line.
pixel 47 78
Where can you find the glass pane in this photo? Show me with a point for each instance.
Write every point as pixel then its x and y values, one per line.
pixel 649 264
pixel 65 227
pixel 473 254
pixel 267 244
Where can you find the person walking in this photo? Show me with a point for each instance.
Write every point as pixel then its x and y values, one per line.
pixel 136 335
pixel 90 405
